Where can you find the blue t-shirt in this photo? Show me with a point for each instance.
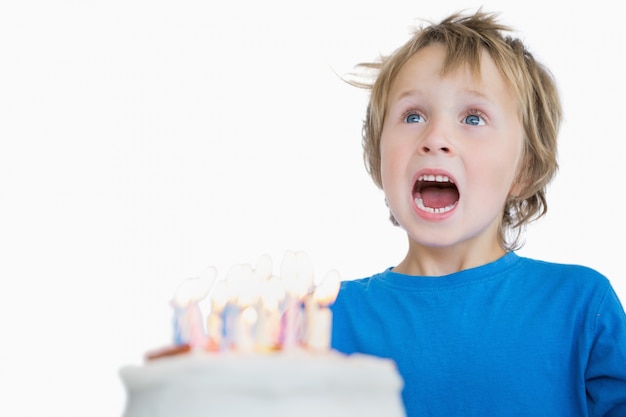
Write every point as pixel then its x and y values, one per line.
pixel 516 337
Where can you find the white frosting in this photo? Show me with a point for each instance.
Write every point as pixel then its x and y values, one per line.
pixel 294 384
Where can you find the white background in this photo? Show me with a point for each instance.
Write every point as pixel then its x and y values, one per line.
pixel 143 141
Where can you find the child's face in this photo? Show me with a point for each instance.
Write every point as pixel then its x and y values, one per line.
pixel 450 149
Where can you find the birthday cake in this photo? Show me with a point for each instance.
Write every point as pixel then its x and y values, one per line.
pixel 263 349
pixel 291 384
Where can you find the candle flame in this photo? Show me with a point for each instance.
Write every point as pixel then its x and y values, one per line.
pixel 297 273
pixel 249 315
pixel 219 296
pixel 193 290
pixel 326 292
pixel 263 268
pixel 272 293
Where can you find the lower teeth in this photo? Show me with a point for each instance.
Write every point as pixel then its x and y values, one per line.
pixel 420 204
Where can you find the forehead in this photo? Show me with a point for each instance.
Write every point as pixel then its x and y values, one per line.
pixel 435 60
pixel 477 72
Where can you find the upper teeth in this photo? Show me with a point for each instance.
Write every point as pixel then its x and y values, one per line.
pixel 437 178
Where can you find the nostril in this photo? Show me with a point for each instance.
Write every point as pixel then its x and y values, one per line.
pixel 441 149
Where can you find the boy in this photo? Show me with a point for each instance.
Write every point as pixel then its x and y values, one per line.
pixel 460 134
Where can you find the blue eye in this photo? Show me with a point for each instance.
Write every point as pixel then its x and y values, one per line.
pixel 414 118
pixel 474 120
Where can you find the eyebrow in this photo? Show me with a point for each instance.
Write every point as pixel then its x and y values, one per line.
pixel 404 95
pixel 477 93
pixel 468 91
pixel 409 93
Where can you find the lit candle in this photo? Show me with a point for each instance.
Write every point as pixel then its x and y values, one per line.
pixel 297 277
pixel 262 274
pixel 268 326
pixel 180 303
pixel 247 288
pixel 319 316
pixel 179 333
pixel 235 279
pixel 215 322
pixel 289 278
pixel 288 274
pixel 190 326
pixel 244 340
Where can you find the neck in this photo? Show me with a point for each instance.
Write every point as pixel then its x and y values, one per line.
pixel 431 261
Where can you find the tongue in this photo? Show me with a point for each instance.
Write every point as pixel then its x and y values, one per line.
pixel 436 197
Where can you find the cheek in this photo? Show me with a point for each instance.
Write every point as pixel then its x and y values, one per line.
pixel 386 159
pixel 504 161
pixel 500 177
pixel 391 164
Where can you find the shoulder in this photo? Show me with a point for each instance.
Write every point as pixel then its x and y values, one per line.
pixel 563 279
pixel 562 271
pixel 361 284
pixel 358 291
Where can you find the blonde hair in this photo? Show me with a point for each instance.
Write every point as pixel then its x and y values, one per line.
pixel 465 37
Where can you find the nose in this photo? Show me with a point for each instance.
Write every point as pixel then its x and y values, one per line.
pixel 436 140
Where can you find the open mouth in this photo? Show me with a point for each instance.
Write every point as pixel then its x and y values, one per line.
pixel 435 193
